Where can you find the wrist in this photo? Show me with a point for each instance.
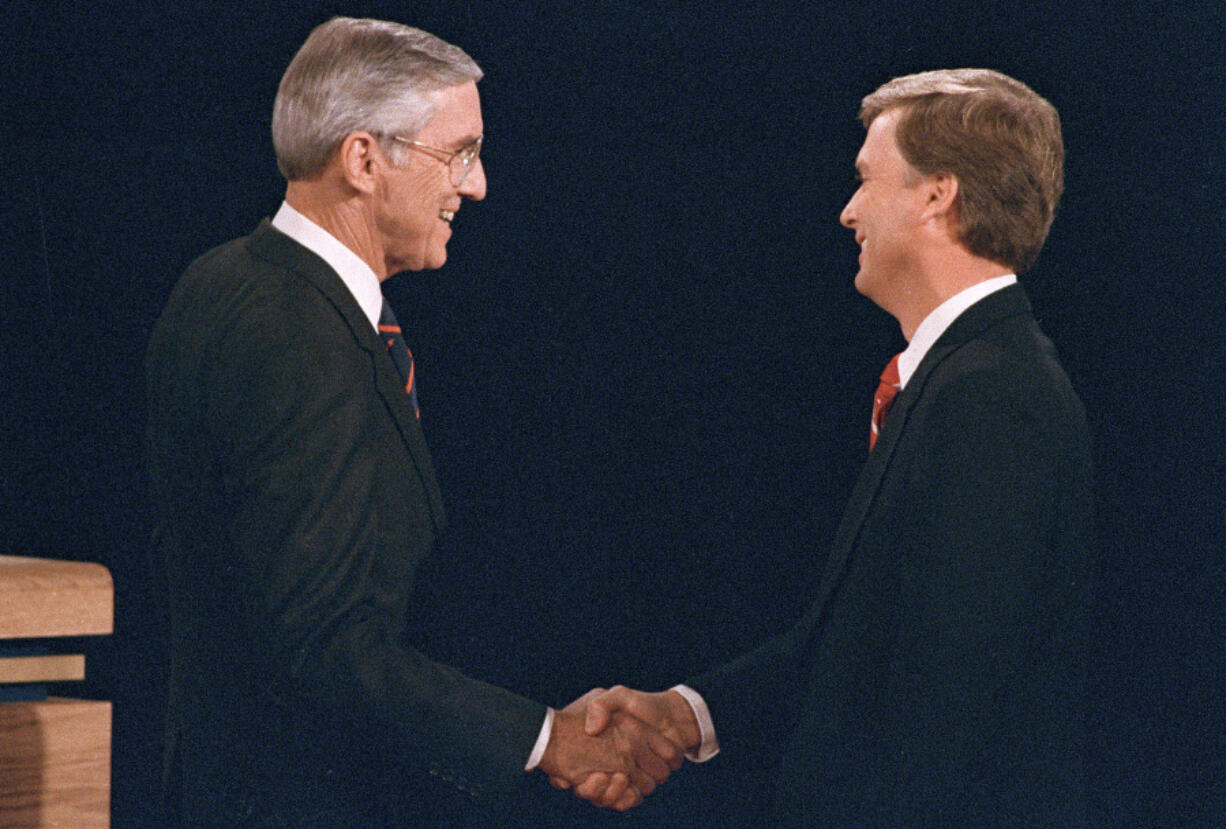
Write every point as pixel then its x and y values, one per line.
pixel 684 720
pixel 542 740
pixel 551 759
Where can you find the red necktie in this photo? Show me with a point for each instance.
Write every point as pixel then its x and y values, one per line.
pixel 887 390
pixel 401 356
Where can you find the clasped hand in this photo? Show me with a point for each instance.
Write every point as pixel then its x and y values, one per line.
pixel 614 747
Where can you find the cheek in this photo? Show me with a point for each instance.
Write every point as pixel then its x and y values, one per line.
pixel 411 192
pixel 410 208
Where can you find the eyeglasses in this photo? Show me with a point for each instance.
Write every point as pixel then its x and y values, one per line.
pixel 460 162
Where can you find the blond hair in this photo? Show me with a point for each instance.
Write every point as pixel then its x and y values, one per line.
pixel 999 139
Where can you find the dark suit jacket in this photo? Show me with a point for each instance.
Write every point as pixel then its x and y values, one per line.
pixel 937 678
pixel 295 498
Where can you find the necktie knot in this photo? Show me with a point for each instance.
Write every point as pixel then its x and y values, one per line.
pixel 887 390
pixel 389 330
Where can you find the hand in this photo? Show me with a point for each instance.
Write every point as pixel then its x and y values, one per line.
pixel 616 768
pixel 667 712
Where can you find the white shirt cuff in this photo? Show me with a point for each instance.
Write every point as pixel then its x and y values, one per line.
pixel 542 740
pixel 708 745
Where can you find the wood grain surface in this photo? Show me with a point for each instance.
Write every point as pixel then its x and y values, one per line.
pixel 55 764
pixel 44 597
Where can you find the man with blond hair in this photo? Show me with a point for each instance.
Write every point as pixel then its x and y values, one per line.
pixel 294 490
pixel 937 677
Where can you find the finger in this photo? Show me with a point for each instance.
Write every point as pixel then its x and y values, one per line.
pixel 643 782
pixel 559 782
pixel 652 752
pixel 582 702
pixel 595 692
pixel 629 800
pixel 668 751
pixel 594 786
pixel 618 785
pixel 649 708
pixel 649 764
pixel 598 716
pixel 654 768
pixel 600 709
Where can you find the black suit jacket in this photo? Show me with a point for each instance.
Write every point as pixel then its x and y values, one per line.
pixel 937 677
pixel 295 498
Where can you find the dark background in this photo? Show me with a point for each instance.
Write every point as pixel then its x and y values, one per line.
pixel 644 371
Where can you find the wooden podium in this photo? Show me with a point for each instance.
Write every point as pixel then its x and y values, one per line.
pixel 55 754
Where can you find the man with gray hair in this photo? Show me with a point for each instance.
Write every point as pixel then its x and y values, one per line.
pixel 938 676
pixel 294 490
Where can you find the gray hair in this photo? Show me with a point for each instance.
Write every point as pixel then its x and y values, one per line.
pixel 356 74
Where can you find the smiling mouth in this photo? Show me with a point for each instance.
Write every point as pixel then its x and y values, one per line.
pixel 446 215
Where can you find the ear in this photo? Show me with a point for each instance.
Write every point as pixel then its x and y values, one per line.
pixel 358 156
pixel 940 191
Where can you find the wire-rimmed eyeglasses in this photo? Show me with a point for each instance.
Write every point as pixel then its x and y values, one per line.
pixel 459 162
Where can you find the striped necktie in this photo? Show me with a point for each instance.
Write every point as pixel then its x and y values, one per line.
pixel 887 390
pixel 389 329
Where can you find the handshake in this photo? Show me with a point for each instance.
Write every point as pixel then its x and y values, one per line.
pixel 614 747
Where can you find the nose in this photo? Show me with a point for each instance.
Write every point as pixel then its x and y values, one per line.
pixel 848 217
pixel 474 183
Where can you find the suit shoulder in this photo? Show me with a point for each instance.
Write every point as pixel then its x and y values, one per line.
pixel 1016 350
pixel 233 282
pixel 232 267
pixel 1014 372
pixel 231 301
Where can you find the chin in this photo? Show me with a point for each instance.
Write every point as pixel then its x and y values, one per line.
pixel 862 283
pixel 394 268
pixel 412 263
pixel 871 288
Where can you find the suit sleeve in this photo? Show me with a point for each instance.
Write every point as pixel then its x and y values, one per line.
pixel 326 523
pixel 753 698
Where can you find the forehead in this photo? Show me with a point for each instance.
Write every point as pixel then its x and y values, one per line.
pixel 880 149
pixel 458 117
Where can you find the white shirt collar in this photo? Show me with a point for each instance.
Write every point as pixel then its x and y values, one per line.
pixel 356 274
pixel 934 325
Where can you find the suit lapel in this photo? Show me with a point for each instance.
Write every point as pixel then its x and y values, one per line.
pixel 1007 302
pixel 275 246
pixel 391 389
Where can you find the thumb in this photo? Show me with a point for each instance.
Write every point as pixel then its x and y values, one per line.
pixel 586 698
pixel 597 718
